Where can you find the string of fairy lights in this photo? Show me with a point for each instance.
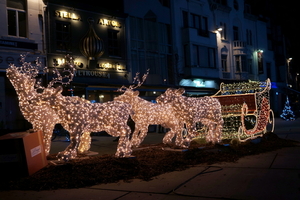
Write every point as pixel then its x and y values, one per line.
pixel 189 111
pixel 41 117
pixel 79 116
pixel 173 110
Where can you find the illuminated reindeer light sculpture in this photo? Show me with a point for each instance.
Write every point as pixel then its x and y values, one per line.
pixel 41 116
pixel 190 110
pixel 146 113
pixel 79 116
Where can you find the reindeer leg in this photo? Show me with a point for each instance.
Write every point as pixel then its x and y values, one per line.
pixel 124 144
pixel 169 136
pixel 143 134
pixel 191 134
pixel 85 142
pixel 71 151
pixel 135 140
pixel 179 136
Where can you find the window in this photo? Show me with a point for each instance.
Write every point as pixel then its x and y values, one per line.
pixel 235 33
pixel 63 36
pixel 200 23
pixel 250 67
pixel 224 31
pixel 240 63
pixel 235 5
pixel 247 9
pixel 113 43
pixel 224 62
pixel 17 18
pixel 204 56
pixel 223 2
pixel 165 3
pixel 185 19
pixel 249 37
pixel 150 46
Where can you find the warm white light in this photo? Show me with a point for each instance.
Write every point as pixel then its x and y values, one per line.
pixel 146 113
pixel 189 110
pixel 41 117
pixel 78 116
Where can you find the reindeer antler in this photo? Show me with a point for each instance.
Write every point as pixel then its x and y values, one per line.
pixel 136 78
pixel 65 74
pixel 29 69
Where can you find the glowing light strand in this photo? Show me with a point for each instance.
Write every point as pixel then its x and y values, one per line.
pixel 236 114
pixel 146 113
pixel 41 117
pixel 189 110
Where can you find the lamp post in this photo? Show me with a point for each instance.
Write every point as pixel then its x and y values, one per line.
pixel 288 70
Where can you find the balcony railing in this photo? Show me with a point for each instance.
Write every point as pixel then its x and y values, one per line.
pixel 238 44
pixel 239 47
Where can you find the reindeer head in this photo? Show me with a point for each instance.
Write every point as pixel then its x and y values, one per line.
pixel 170 95
pixel 129 94
pixel 127 97
pixel 23 82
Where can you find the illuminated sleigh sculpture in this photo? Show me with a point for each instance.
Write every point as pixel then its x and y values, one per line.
pixel 245 109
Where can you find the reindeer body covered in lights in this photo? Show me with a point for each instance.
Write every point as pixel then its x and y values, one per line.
pixel 79 116
pixel 191 110
pixel 146 113
pixel 41 116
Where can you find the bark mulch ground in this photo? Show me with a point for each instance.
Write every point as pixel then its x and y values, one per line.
pixel 146 163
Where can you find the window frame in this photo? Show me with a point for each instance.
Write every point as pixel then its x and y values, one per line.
pixel 17 26
pixel 68 45
pixel 204 54
pixel 200 23
pixel 113 43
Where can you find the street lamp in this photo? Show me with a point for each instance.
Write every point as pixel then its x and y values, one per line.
pixel 288 70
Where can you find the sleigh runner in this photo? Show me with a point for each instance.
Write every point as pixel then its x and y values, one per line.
pixel 245 109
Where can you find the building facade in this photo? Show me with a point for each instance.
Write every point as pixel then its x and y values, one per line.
pixel 195 44
pixel 21 32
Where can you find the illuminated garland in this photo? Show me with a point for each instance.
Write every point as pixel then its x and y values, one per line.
pixel 239 122
pixel 206 110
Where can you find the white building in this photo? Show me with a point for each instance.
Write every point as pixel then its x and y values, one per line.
pixel 209 42
pixel 21 32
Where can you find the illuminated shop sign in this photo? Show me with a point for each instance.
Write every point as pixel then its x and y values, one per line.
pixel 115 66
pixel 108 22
pixel 198 83
pixel 67 15
pixel 92 73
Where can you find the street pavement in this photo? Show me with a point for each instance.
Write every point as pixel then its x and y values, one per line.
pixel 272 175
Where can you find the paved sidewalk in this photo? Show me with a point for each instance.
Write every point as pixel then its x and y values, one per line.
pixel 273 175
